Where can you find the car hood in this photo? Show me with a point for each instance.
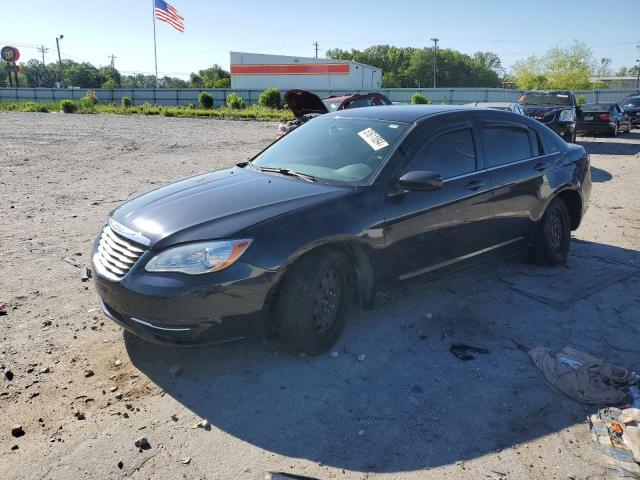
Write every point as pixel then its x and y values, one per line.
pixel 543 110
pixel 216 205
pixel 303 102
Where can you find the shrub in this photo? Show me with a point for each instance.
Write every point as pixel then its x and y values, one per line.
pixel 126 102
pixel 91 97
pixel 68 106
pixel 417 99
pixel 580 99
pixel 34 107
pixel 235 101
pixel 168 113
pixel 205 100
pixel 270 98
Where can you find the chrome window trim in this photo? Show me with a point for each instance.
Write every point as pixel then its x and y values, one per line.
pixel 490 169
pixel 446 263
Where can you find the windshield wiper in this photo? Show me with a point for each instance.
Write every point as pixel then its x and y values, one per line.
pixel 289 172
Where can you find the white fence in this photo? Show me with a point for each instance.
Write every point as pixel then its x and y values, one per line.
pixel 186 96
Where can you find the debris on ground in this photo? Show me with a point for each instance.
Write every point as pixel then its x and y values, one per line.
pixel 3 308
pixel 117 363
pixel 79 415
pixel 361 357
pixel 185 460
pixel 286 476
pixel 120 464
pixel 88 373
pixel 8 375
pixel 142 443
pixel 463 352
pixel 617 434
pixel 72 262
pixel 17 431
pixel 583 377
pixel 85 274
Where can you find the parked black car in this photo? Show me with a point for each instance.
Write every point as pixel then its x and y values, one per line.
pixel 631 105
pixel 332 212
pixel 555 108
pixel 603 118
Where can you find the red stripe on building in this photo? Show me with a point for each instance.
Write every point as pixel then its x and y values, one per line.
pixel 292 69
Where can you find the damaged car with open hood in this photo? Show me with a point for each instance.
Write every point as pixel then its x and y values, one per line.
pixel 306 105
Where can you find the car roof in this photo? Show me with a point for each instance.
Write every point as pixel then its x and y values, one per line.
pixel 399 113
pixel 494 104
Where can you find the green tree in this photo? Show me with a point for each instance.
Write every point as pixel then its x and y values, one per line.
pixel 558 67
pixel 210 78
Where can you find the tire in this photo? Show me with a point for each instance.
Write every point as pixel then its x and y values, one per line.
pixel 553 236
pixel 570 137
pixel 314 301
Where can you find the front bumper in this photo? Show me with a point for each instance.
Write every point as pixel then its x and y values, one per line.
pixel 184 309
pixel 562 128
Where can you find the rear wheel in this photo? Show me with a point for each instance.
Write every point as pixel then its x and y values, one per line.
pixel 616 130
pixel 314 300
pixel 553 237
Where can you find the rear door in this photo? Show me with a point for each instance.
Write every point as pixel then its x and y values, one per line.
pixel 428 230
pixel 516 162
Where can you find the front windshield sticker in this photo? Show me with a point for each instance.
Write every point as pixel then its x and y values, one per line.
pixel 373 139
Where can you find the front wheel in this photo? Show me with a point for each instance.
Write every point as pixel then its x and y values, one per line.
pixel 314 301
pixel 553 237
pixel 569 137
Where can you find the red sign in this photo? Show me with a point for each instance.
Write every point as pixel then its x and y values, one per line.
pixel 291 69
pixel 10 54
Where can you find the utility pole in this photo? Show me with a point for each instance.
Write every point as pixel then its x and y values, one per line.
pixel 59 57
pixel 42 49
pixel 316 45
pixel 435 59
pixel 638 67
pixel 112 57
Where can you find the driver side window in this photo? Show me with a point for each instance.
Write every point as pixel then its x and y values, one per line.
pixel 450 154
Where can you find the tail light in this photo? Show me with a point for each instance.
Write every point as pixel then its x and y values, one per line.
pixel 606 117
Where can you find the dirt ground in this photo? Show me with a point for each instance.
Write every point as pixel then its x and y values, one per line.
pixel 409 410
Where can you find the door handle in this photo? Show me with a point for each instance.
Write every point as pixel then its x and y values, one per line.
pixel 474 185
pixel 540 166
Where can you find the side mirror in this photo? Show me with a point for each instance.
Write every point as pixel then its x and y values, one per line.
pixel 420 181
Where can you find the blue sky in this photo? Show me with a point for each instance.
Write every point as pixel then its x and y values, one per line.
pixel 94 30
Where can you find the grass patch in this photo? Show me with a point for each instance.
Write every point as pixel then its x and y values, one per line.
pixel 254 112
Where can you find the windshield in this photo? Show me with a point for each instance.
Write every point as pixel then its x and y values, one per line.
pixel 332 104
pixel 544 98
pixel 631 102
pixel 341 150
pixel 596 107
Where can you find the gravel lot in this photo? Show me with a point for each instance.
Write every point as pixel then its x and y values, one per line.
pixel 409 410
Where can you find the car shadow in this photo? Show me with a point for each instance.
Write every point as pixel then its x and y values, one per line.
pixel 624 144
pixel 599 175
pixel 393 398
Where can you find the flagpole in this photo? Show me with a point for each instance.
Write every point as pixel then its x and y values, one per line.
pixel 155 50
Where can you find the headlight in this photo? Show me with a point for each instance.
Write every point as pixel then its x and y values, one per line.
pixel 198 258
pixel 567 116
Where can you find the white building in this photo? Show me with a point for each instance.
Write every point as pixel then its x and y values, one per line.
pixel 255 71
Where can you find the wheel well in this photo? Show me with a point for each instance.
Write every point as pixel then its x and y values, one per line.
pixel 574 205
pixel 362 268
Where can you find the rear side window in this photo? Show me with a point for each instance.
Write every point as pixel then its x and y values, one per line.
pixel 505 144
pixel 450 154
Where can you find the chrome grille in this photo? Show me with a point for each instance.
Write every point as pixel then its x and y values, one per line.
pixel 115 255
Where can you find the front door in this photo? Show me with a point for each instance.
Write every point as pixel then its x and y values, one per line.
pixel 425 230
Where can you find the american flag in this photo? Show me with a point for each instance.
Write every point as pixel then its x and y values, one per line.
pixel 166 13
